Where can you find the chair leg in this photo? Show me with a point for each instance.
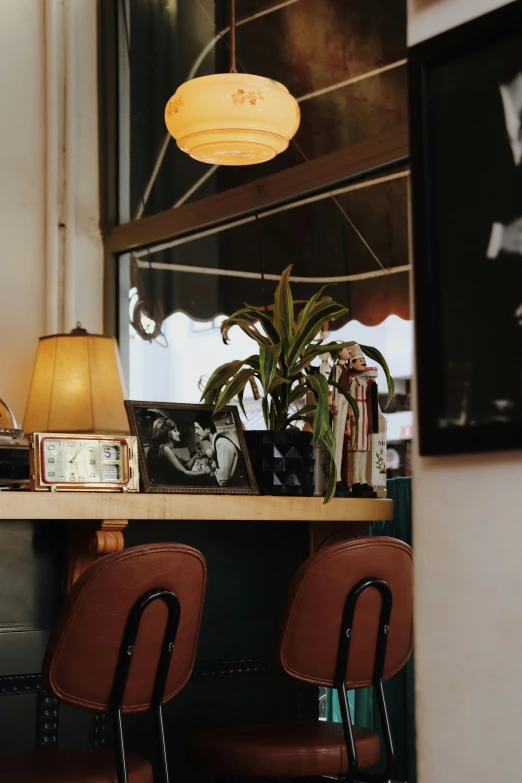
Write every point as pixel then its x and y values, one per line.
pixel 121 766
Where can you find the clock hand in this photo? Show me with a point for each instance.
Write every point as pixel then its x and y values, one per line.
pixel 73 458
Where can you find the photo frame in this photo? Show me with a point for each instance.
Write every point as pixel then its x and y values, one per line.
pixel 187 449
pixel 465 92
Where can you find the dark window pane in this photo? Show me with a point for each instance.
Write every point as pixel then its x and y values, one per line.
pixel 356 240
pixel 311 46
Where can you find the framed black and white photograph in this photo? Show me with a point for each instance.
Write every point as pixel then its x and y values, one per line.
pixel 466 157
pixel 185 448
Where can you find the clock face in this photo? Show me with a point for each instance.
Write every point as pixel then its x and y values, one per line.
pixel 83 461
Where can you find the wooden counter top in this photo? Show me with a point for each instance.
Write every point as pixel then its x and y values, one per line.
pixel 111 505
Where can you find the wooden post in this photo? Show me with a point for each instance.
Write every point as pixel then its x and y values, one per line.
pixel 90 540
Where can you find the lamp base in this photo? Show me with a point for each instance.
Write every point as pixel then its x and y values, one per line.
pixel 233 148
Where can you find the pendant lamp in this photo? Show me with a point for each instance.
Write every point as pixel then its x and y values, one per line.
pixel 232 119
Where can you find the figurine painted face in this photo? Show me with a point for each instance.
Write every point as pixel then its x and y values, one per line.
pixel 358 365
pixel 345 355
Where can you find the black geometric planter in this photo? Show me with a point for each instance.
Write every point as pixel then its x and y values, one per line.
pixel 283 462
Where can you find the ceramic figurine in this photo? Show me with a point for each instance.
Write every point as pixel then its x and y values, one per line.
pixel 325 368
pixel 358 447
pixel 376 471
pixel 339 410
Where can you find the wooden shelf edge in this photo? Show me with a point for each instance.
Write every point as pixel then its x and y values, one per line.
pixel 94 506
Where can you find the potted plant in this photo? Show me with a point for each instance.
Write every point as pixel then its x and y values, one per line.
pixel 287 346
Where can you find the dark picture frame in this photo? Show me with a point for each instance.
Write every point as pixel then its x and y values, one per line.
pixel 178 453
pixel 465 178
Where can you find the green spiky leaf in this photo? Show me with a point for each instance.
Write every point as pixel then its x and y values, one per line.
pixel 233 388
pixel 301 415
pixel 298 391
pixel 218 379
pixel 240 396
pixel 319 386
pixel 268 358
pixel 284 305
pixel 376 356
pixel 254 315
pixel 328 441
pixel 253 362
pixel 319 350
pixel 331 486
pixel 308 330
pixel 278 380
pixel 305 312
pixel 247 326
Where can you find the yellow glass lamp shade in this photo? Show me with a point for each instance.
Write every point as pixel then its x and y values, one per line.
pixel 232 119
pixel 77 386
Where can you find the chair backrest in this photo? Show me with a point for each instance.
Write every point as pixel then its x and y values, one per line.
pixel 82 654
pixel 320 588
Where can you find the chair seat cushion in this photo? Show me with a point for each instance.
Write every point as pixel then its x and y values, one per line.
pixel 292 750
pixel 70 766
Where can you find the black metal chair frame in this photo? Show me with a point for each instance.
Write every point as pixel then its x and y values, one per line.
pixel 122 673
pixel 355 775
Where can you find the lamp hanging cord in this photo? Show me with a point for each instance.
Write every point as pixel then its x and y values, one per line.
pixel 233 68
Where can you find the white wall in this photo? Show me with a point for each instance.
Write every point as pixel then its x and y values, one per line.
pixel 23 185
pixel 468 579
pixel 88 247
pixel 22 215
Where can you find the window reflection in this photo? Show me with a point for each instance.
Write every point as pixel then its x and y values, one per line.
pixel 355 238
pixel 173 371
pixel 345 61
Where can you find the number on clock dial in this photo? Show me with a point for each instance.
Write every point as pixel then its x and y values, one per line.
pixel 110 473
pixel 71 461
pixel 81 461
pixel 111 452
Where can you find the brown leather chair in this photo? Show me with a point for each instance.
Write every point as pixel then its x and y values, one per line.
pixel 125 641
pixel 348 623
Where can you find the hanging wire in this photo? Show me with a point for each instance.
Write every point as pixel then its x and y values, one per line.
pixel 230 40
pixel 345 214
pixel 261 263
pixel 222 35
pixel 234 60
pixel 233 67
pixel 218 35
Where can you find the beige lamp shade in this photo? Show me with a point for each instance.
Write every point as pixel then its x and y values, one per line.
pixel 77 386
pixel 232 119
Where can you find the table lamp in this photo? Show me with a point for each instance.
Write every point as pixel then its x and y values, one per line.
pixel 77 386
